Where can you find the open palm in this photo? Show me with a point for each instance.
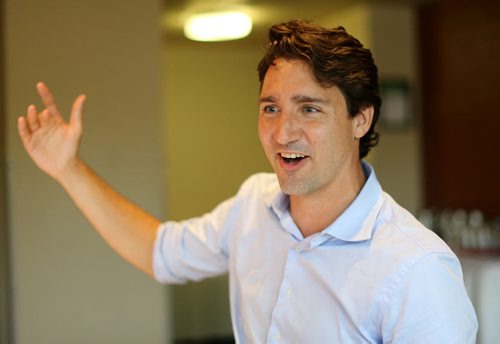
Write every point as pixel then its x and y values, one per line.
pixel 51 142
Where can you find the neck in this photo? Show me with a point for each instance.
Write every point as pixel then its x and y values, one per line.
pixel 314 212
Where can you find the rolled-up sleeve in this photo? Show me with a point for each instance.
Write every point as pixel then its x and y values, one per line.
pixel 193 249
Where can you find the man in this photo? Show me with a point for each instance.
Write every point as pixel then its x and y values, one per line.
pixel 316 252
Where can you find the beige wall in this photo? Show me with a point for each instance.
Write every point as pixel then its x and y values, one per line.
pixel 211 127
pixel 69 287
pixel 398 158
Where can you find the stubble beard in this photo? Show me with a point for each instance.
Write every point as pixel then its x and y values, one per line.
pixel 295 185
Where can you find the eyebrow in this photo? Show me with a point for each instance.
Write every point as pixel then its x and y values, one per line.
pixel 297 99
pixel 306 99
pixel 269 99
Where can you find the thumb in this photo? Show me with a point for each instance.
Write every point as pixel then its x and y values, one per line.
pixel 75 119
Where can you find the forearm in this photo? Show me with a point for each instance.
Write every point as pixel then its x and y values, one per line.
pixel 127 228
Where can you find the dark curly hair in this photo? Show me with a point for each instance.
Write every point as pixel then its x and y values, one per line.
pixel 336 59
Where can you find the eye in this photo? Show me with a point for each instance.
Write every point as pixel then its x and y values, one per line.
pixel 309 109
pixel 270 109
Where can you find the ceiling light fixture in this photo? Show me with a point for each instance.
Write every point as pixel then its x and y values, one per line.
pixel 218 26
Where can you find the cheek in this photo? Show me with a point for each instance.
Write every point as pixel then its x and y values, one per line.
pixel 328 142
pixel 319 137
pixel 263 137
pixel 264 131
pixel 261 132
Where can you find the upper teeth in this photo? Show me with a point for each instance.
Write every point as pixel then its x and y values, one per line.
pixel 292 155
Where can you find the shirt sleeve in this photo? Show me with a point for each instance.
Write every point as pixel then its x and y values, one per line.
pixel 193 249
pixel 430 305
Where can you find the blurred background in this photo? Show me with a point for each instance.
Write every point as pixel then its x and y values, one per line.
pixel 171 123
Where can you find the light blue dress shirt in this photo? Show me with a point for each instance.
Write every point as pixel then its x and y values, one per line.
pixel 375 275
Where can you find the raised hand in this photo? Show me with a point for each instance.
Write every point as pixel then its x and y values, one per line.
pixel 50 141
pixel 53 145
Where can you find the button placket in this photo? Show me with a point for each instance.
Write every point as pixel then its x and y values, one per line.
pixel 284 294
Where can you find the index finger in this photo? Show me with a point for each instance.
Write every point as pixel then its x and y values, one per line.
pixel 47 98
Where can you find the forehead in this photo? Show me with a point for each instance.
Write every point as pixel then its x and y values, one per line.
pixel 294 77
pixel 289 69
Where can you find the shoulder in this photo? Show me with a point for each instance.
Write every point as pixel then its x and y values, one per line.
pixel 425 293
pixel 397 226
pixel 404 246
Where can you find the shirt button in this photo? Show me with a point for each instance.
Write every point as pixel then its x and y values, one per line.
pixel 277 335
pixel 288 292
pixel 298 249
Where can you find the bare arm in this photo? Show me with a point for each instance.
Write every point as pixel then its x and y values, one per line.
pixel 53 145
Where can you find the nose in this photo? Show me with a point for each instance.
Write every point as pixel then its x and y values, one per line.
pixel 287 129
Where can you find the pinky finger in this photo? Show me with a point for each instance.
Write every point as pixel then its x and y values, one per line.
pixel 24 131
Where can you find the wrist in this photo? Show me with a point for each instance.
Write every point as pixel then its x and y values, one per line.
pixel 71 173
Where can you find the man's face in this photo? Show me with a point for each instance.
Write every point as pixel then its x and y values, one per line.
pixel 305 130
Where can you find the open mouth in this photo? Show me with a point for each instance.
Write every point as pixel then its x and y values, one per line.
pixel 292 158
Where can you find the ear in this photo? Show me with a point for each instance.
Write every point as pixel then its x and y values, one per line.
pixel 363 121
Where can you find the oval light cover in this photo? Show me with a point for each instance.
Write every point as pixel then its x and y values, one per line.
pixel 218 26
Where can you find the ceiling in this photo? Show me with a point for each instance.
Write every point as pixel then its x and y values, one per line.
pixel 263 12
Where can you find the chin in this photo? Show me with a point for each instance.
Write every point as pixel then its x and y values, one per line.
pixel 295 188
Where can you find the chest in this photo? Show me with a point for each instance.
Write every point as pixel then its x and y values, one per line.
pixel 281 285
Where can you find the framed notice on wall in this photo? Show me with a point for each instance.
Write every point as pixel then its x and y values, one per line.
pixel 396 110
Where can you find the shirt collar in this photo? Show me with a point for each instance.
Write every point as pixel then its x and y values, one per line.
pixel 356 222
pixel 279 202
